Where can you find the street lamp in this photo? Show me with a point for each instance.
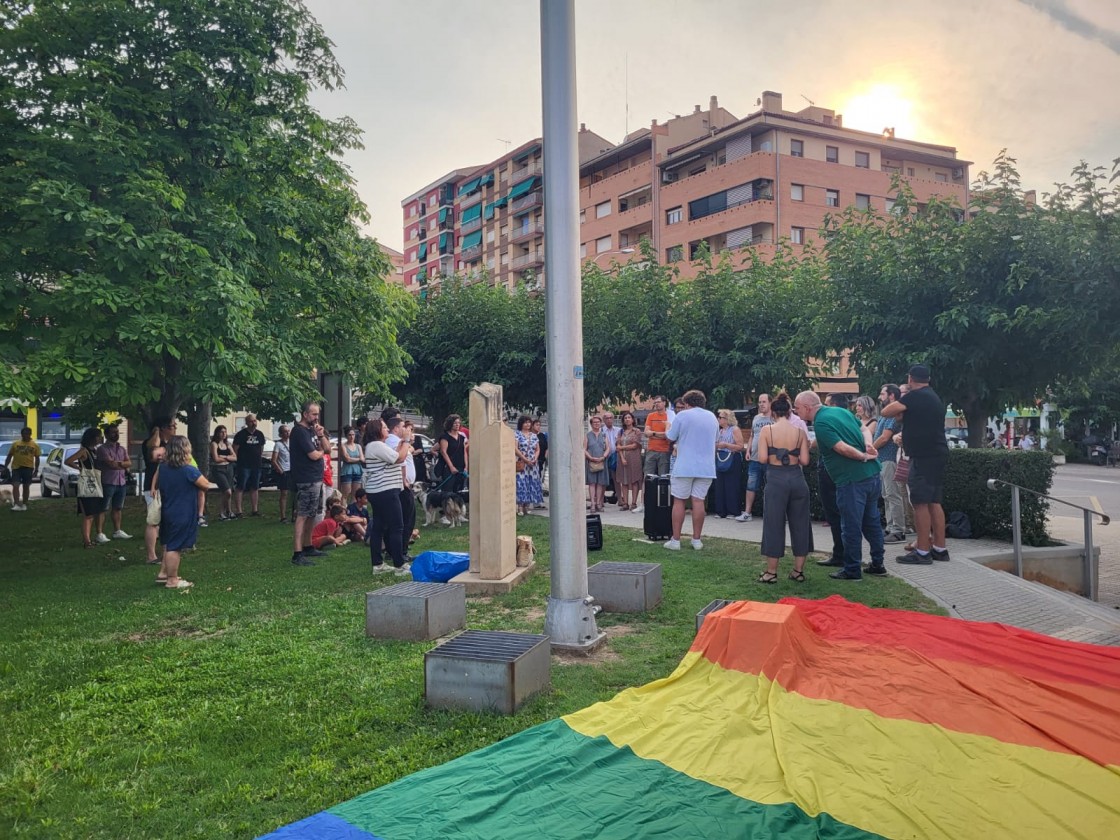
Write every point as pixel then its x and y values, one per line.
pixel 614 251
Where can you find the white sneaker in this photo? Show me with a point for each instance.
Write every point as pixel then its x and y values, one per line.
pixel 696 544
pixel 639 509
pixel 381 567
pixel 121 535
pixel 406 569
pixel 673 545
pixel 101 538
pixel 744 517
pixel 443 520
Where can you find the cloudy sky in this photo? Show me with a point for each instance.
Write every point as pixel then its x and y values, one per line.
pixel 441 84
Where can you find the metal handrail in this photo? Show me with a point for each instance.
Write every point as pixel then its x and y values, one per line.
pixel 1089 569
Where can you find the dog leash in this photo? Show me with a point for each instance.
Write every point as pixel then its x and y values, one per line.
pixel 449 477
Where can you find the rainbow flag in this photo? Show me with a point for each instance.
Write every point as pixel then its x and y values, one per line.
pixel 798 719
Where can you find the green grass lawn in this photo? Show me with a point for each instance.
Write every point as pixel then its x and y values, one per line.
pixel 255 699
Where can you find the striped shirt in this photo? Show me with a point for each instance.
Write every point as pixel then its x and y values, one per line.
pixel 382 471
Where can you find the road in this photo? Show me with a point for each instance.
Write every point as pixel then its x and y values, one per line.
pixel 1097 488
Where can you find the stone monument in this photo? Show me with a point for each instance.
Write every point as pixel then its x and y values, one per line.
pixel 493 497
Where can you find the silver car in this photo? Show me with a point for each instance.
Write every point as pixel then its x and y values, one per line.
pixel 57 477
pixel 45 449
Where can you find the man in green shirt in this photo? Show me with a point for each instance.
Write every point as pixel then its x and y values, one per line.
pixel 854 468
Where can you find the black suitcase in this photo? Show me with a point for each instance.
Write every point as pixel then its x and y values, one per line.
pixel 657 521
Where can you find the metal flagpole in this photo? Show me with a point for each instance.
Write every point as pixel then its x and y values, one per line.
pixel 570 617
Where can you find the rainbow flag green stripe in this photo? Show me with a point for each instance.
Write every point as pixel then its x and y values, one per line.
pixel 552 782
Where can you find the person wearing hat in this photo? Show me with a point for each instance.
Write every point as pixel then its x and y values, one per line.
pixel 929 453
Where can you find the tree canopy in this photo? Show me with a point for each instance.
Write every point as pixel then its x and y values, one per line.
pixel 175 222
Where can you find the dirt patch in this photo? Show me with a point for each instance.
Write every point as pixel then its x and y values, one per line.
pixel 602 654
pixel 184 631
pixel 534 615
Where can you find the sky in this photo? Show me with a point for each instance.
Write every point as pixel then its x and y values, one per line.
pixel 443 84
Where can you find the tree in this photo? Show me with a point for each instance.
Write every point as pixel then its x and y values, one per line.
pixel 176 227
pixel 1001 306
pixel 467 333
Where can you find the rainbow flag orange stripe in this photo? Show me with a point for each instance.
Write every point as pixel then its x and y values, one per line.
pixel 799 719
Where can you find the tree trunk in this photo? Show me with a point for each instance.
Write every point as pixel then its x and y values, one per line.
pixel 977 418
pixel 199 416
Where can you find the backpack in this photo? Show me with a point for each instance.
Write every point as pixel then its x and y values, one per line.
pixel 958 527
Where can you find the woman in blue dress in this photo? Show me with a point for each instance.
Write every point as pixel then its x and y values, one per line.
pixel 529 490
pixel 177 481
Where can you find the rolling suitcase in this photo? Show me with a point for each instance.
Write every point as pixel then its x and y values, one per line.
pixel 657 521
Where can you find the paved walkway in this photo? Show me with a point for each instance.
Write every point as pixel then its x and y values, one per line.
pixel 962 586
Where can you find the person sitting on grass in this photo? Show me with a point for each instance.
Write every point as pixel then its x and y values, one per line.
pixel 359 509
pixel 328 533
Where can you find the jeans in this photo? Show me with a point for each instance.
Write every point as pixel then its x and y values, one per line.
pixel 859 519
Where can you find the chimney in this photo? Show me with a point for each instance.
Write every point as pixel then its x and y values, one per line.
pixel 582 127
pixel 839 120
pixel 771 101
pixel 713 104
pixel 696 109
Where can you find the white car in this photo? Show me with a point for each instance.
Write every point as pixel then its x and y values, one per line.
pixel 45 448
pixel 57 477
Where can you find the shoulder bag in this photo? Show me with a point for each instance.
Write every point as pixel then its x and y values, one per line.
pixel 89 480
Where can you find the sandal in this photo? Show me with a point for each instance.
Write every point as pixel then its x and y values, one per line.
pixel 179 584
pixel 797 575
pixel 161 580
pixel 624 507
pixel 768 577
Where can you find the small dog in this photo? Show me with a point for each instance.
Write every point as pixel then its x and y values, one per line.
pixel 6 496
pixel 448 508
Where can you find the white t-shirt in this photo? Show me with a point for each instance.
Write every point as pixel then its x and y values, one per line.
pixel 283 456
pixel 612 434
pixel 382 470
pixel 695 431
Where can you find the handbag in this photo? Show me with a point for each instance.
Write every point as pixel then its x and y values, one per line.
pixel 89 483
pixel 155 510
pixel 724 459
pixel 520 465
pixel 902 471
pixel 596 466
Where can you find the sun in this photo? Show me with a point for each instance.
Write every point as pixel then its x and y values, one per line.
pixel 878 107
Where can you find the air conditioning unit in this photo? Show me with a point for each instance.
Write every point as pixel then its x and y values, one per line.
pixel 669 177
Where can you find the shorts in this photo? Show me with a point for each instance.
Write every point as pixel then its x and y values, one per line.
pixel 684 487
pixel 756 471
pixel 282 482
pixel 927 479
pixel 248 478
pixel 309 499
pixel 350 476
pixel 223 477
pixel 113 495
pixel 22 475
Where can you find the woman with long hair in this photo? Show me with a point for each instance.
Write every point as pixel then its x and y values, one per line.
pixel 177 481
pixel 85 458
pixel 784 448
pixel 383 482
pixel 868 414
pixel 596 450
pixel 350 476
pixel 629 475
pixel 729 466
pixel 454 455
pixel 222 459
pixel 528 479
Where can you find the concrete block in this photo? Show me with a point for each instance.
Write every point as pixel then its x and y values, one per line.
pixel 416 612
pixel 711 608
pixel 625 587
pixel 486 670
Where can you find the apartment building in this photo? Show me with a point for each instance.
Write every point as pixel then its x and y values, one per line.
pixel 738 185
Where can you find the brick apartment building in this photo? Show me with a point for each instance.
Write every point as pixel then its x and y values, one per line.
pixel 708 176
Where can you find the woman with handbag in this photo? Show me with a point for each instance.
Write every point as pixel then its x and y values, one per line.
pixel 628 479
pixel 91 499
pixel 528 479
pixel 729 466
pixel 176 484
pixel 596 450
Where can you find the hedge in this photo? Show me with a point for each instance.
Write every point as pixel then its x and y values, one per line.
pixel 966 490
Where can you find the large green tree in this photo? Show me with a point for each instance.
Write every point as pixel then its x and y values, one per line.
pixel 176 227
pixel 1002 305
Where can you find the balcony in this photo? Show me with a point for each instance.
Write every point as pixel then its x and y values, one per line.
pixel 472 253
pixel 470 200
pixel 520 234
pixel 527 171
pixel 470 227
pixel 527 202
pixel 527 261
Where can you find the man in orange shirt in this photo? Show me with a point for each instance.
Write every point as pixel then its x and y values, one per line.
pixel 657 444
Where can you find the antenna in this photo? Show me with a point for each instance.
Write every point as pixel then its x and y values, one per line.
pixel 807 99
pixel 507 142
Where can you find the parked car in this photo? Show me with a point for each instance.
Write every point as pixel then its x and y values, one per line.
pixel 45 449
pixel 57 477
pixel 957 438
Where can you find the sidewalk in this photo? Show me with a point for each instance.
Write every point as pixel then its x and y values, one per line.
pixel 962 586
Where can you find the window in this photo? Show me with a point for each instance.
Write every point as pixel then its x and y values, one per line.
pixel 505 259
pixel 888 205
pixel 863 202
pixel 490 235
pixel 941 176
pixel 910 171
pixel 832 154
pixel 765 146
pixel 797 148
pixel 707 205
pixel 583 251
pixel 797 192
pixel 832 198
pixel 490 263
pixel 863 160
pixel 602 244
pixel 582 216
pixel 673 216
pixel 623 240
pixel 674 254
pixel 602 210
pixel 797 235
pixel 412 211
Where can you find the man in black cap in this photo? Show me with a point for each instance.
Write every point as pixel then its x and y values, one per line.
pixel 924 440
